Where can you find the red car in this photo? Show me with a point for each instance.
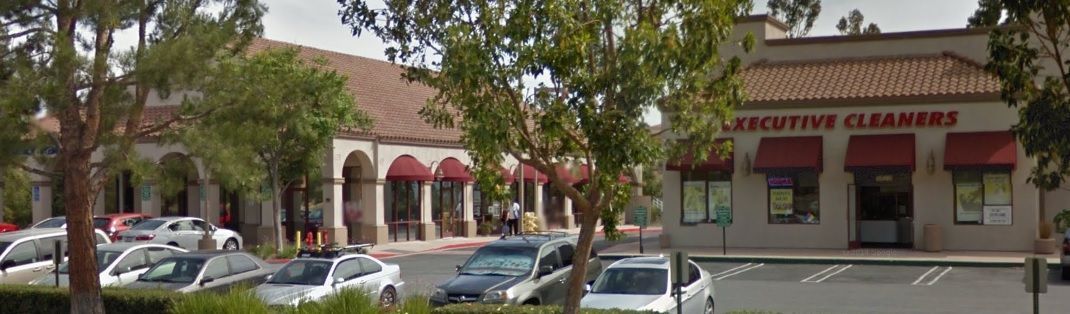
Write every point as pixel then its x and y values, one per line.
pixel 6 227
pixel 113 224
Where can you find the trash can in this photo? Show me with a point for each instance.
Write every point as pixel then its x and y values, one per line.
pixel 933 239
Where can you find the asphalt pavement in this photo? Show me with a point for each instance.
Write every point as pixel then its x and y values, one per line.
pixel 821 288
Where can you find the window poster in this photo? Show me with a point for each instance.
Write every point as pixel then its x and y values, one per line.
pixel 694 201
pixel 720 196
pixel 997 215
pixel 780 201
pixel 997 188
pixel 968 202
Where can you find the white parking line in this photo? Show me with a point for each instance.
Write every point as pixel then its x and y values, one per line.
pixel 934 279
pixel 827 273
pixel 739 271
pixel 731 270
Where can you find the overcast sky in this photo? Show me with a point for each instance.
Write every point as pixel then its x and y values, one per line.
pixel 315 23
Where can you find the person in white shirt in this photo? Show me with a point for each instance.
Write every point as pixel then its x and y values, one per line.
pixel 514 217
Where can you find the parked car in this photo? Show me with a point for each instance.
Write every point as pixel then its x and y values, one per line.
pixel 6 227
pixel 119 263
pixel 54 222
pixel 522 269
pixel 183 232
pixel 1065 261
pixel 113 224
pixel 643 284
pixel 27 254
pixel 314 275
pixel 215 271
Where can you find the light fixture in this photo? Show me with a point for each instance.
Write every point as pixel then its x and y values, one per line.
pixel 746 164
pixel 931 165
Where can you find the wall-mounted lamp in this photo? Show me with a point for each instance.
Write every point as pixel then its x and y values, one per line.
pixel 746 164
pixel 930 166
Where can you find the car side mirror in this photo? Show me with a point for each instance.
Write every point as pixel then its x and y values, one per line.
pixel 545 270
pixel 337 281
pixel 267 278
pixel 457 268
pixel 7 264
pixel 587 288
pixel 207 280
pixel 123 270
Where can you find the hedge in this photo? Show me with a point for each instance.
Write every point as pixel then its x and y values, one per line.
pixel 47 300
pixel 473 308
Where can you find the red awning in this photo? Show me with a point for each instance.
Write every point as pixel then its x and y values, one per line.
pixel 530 174
pixel 565 174
pixel 713 161
pixel 585 176
pixel 887 151
pixel 788 153
pixel 980 149
pixel 451 169
pixel 407 168
pixel 506 176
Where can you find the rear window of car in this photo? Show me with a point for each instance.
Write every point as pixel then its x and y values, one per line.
pixel 148 225
pixel 101 223
pixel 52 223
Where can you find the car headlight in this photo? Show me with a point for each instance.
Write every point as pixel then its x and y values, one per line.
pixel 497 296
pixel 440 294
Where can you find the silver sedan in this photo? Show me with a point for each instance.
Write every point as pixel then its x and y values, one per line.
pixel 119 263
pixel 643 284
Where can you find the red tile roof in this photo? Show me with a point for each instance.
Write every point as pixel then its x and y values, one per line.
pixel 885 78
pixel 391 101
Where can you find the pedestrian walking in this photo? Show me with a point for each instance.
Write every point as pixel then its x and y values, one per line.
pixel 505 221
pixel 514 217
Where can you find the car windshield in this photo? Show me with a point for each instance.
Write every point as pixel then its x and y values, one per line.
pixel 632 281
pixel 176 269
pixel 302 272
pixel 104 259
pixel 52 223
pixel 502 261
pixel 100 223
pixel 148 225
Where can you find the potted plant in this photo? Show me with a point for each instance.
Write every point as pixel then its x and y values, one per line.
pixel 1045 244
pixel 1062 221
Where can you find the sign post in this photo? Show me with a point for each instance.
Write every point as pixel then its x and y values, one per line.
pixel 1036 279
pixel 724 219
pixel 57 258
pixel 641 221
pixel 678 270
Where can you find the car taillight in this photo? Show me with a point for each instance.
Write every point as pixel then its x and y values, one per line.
pixel 145 237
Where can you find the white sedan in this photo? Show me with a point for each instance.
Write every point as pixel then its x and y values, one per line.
pixel 643 284
pixel 315 275
pixel 183 232
pixel 119 263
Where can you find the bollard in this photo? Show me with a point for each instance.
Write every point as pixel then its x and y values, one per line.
pixel 297 239
pixel 319 239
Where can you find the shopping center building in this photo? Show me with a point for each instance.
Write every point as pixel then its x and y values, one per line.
pixel 862 141
pixel 402 180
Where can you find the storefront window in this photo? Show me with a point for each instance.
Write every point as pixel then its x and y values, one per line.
pixel 982 197
pixel 793 198
pixel 703 193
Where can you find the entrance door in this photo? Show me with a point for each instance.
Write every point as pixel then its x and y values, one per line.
pixel 885 209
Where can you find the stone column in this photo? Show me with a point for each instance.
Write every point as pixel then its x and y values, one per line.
pixel 470 225
pixel 427 225
pixel 41 200
pixel 568 220
pixel 333 210
pixel 99 203
pixel 265 232
pixel 148 200
pixel 373 212
pixel 212 209
pixel 540 211
pixel 193 199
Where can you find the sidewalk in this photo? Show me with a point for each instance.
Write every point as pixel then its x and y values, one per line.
pixel 397 249
pixel 835 256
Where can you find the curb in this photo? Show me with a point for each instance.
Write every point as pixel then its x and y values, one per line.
pixel 829 260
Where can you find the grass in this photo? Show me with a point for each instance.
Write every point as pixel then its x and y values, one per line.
pixel 267 251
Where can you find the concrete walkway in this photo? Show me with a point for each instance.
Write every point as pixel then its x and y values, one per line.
pixel 835 256
pixel 396 249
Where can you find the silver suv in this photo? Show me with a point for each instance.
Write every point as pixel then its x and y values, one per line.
pixel 524 269
pixel 27 254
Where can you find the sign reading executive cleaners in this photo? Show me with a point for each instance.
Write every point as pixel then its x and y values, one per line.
pixel 830 121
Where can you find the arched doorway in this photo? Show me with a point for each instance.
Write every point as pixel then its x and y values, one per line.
pixel 403 198
pixel 358 196
pixel 119 194
pixel 447 197
pixel 178 184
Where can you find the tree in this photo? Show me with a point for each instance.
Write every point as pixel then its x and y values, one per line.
pixel 66 63
pixel 1030 59
pixel 562 82
pixel 799 15
pixel 290 109
pixel 852 24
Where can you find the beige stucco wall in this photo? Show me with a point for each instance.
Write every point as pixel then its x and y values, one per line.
pixel 933 196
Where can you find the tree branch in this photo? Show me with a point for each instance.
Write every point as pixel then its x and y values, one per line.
pixel 149 130
pixel 40 172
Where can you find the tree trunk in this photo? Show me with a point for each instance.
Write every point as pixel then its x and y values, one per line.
pixel 77 195
pixel 578 278
pixel 276 200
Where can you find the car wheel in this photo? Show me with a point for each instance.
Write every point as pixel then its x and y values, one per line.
pixel 709 306
pixel 1066 272
pixel 388 297
pixel 230 245
pixel 174 244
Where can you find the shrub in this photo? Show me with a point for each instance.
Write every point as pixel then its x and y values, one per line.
pixel 239 300
pixel 267 251
pixel 472 308
pixel 416 304
pixel 38 299
pixel 1062 221
pixel 347 300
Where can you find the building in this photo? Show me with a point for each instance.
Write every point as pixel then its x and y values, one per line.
pixel 862 141
pixel 401 181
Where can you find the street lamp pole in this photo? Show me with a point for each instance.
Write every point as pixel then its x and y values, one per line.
pixel 522 186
